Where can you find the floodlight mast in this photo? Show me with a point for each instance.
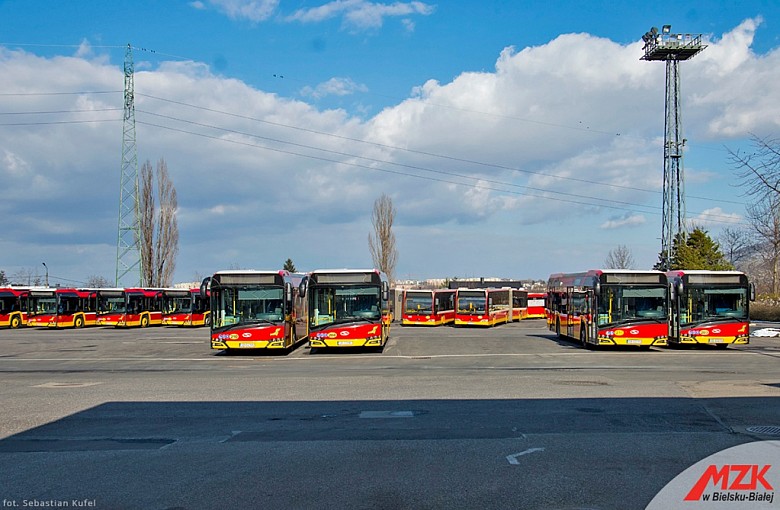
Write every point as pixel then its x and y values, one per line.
pixel 672 49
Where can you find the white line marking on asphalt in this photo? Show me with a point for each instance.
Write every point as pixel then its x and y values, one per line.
pixel 512 459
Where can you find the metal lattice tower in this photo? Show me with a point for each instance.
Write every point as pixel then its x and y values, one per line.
pixel 128 248
pixel 672 49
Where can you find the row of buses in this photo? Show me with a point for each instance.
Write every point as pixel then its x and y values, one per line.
pixel 650 308
pixel 336 308
pixel 470 307
pixel 77 308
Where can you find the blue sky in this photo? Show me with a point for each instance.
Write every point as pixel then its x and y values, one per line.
pixel 515 139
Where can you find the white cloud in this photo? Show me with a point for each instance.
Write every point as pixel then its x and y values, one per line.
pixel 361 14
pixel 628 220
pixel 715 216
pixel 547 143
pixel 334 87
pixel 252 10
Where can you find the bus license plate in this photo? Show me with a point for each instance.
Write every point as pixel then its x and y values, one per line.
pixel 633 341
pixel 345 342
pixel 248 345
pixel 715 340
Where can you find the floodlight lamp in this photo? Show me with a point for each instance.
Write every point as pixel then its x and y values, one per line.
pixel 666 29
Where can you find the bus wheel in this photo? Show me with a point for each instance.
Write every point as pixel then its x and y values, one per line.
pixel 78 322
pixel 144 321
pixel 207 320
pixel 16 321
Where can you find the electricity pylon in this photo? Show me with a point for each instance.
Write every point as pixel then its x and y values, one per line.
pixel 128 246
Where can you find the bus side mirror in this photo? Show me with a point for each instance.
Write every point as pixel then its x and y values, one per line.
pixel 385 291
pixel 288 296
pixel 752 291
pixel 597 288
pixel 672 291
pixel 302 287
pixel 204 287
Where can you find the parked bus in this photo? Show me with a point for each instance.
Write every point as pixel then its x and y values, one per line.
pixel 536 305
pixel 347 308
pixel 73 308
pixel 185 307
pixel 13 306
pixel 255 309
pixel 710 307
pixel 133 307
pixel 610 307
pixel 428 307
pixel 482 307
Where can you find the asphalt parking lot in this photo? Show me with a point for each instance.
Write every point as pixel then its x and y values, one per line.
pixel 444 417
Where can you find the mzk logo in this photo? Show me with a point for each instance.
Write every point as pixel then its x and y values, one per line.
pixel 733 482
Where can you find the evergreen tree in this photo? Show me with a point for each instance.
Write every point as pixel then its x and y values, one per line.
pixel 697 250
pixel 289 266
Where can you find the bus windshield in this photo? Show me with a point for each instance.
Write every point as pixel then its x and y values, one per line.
pixel 701 304
pixel 247 305
pixel 344 303
pixel 114 304
pixel 621 303
pixel 471 302
pixel 418 303
pixel 179 304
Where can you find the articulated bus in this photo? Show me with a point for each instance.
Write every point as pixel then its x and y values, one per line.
pixel 129 307
pixel 710 307
pixel 347 308
pixel 428 307
pixel 185 307
pixel 610 307
pixel 536 305
pixel 483 307
pixel 255 309
pixel 72 308
pixel 13 306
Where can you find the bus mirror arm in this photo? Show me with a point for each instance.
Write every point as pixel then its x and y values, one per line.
pixel 204 287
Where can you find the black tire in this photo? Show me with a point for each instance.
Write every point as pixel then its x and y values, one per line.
pixel 558 327
pixel 15 322
pixel 583 337
pixel 207 321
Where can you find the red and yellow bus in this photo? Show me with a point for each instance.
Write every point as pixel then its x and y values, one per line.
pixel 185 307
pixel 255 309
pixel 610 307
pixel 73 308
pixel 347 308
pixel 428 307
pixel 13 306
pixel 710 307
pixel 133 307
pixel 536 305
pixel 482 307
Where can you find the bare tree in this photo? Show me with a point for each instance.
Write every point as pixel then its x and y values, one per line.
pixel 619 258
pixel 759 170
pixel 737 245
pixel 764 218
pixel 146 202
pixel 97 282
pixel 382 241
pixel 159 229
